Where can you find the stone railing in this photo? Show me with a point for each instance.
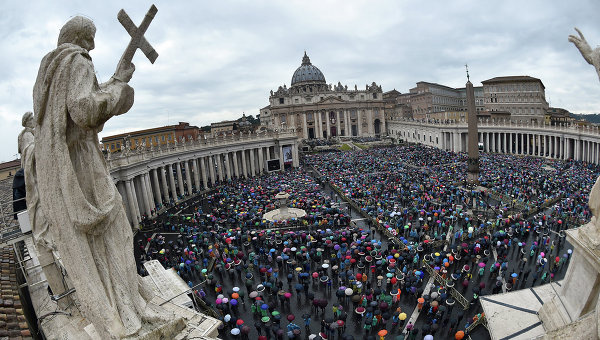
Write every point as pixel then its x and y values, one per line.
pixel 131 155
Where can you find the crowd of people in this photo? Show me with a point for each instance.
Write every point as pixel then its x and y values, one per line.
pixel 334 275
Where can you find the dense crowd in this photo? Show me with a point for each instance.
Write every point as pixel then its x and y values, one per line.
pixel 327 276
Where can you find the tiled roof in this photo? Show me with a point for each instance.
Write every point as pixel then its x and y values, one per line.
pixel 12 319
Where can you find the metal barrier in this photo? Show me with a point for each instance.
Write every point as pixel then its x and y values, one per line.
pixel 480 321
pixel 442 282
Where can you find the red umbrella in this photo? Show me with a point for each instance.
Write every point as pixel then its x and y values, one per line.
pixel 291 317
pixel 239 322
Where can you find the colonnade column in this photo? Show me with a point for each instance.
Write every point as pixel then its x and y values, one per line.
pixel 188 176
pixel 202 161
pixel 510 143
pixel 211 169
pixel 252 163
pixel 487 142
pixel 165 186
pixel 261 160
pixel 144 193
pixel 180 179
pixel 146 178
pixel 196 174
pixel 236 168
pixel 244 166
pixel 172 182
pixel 328 124
pixel 219 160
pixel 157 198
pixel 133 212
pixel 227 165
pixel 135 199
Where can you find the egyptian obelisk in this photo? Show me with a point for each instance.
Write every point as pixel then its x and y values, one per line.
pixel 473 148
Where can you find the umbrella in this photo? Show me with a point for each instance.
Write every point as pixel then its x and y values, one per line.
pixel 264 306
pixel 227 318
pixel 253 294
pixel 428 337
pixel 235 331
pixel 265 319
pixel 239 322
pixel 402 316
pixel 245 329
pixel 349 291
pixel 459 335
pixel 340 323
pixel 382 333
pixel 291 317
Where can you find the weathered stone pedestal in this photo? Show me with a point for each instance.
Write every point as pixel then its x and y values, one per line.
pixel 575 304
pixel 69 324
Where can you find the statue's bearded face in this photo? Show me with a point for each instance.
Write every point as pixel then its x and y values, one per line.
pixel 87 41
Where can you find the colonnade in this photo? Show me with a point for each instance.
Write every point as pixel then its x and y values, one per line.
pixel 172 178
pixel 558 142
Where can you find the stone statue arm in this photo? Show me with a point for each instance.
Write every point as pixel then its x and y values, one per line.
pixel 591 56
pixel 89 104
pixel 582 45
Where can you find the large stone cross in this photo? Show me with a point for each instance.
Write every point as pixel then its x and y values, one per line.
pixel 137 38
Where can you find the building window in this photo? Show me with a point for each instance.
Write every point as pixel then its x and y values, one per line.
pixel 118 145
pixel 156 139
pixel 309 116
pixel 163 138
pixel 296 100
pixel 112 146
pixel 280 100
pixel 374 95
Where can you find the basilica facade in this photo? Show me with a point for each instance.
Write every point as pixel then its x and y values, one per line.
pixel 314 109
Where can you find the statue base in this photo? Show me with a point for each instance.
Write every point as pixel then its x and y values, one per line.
pixel 575 303
pixel 69 324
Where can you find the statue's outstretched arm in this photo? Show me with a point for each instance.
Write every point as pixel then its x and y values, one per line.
pixel 583 46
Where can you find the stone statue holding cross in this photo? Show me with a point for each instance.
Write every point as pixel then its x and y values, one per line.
pixel 83 208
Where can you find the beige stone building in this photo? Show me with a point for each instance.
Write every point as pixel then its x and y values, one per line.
pixel 431 100
pixel 523 96
pixel 8 169
pixel 315 109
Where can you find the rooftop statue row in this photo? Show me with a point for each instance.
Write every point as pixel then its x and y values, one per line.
pixel 323 88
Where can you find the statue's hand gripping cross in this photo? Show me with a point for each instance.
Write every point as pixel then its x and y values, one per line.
pixel 137 39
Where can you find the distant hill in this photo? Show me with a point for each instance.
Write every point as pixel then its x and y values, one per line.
pixel 592 118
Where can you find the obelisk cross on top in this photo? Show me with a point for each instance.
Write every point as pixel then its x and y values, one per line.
pixel 137 38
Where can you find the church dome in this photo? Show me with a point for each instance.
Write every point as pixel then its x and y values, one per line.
pixel 307 72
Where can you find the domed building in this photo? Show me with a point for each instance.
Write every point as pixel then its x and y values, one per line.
pixel 315 109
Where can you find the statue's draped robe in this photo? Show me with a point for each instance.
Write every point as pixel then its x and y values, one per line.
pixel 88 222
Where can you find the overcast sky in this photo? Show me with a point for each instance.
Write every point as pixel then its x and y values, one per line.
pixel 220 59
